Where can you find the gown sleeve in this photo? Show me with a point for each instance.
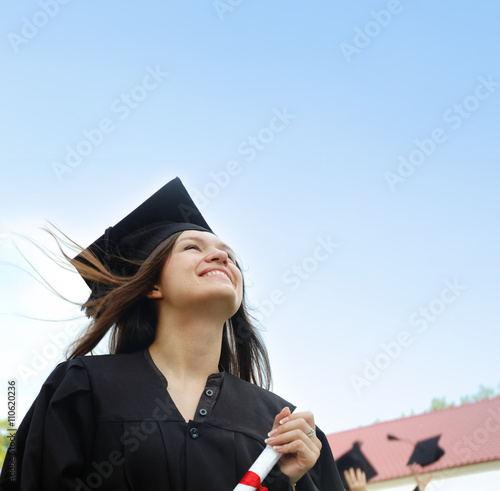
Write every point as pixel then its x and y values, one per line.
pixel 324 476
pixel 52 447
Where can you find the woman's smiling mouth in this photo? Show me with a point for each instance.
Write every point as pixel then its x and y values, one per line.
pixel 217 272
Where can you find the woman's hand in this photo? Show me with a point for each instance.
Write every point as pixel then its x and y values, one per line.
pixel 355 479
pixel 289 437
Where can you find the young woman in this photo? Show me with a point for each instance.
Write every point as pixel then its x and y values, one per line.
pixel 179 404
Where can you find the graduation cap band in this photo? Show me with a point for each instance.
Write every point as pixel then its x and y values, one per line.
pixel 143 242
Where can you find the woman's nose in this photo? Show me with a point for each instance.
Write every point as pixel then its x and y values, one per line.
pixel 221 256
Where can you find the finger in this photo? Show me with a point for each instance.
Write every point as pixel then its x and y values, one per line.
pixel 306 415
pixel 308 426
pixel 284 437
pixel 292 436
pixel 284 413
pixel 302 450
pixel 348 475
pixel 360 476
pixel 291 430
pixel 289 424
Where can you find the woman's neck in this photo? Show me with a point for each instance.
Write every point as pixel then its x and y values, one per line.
pixel 187 348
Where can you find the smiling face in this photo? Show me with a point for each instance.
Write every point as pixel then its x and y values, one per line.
pixel 200 272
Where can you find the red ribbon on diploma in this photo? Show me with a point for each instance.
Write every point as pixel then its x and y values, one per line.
pixel 252 479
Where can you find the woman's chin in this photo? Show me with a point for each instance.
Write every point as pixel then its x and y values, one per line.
pixel 228 307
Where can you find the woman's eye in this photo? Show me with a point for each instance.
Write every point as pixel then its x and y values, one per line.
pixel 192 246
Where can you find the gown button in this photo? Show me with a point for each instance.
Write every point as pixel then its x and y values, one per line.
pixel 194 433
pixel 209 392
pixel 203 412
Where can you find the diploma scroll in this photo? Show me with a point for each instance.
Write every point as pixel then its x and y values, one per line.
pixel 252 480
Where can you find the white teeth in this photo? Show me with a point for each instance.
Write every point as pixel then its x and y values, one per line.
pixel 219 273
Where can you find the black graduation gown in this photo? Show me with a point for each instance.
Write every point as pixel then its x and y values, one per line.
pixel 108 423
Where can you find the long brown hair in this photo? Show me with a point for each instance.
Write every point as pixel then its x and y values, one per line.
pixel 122 307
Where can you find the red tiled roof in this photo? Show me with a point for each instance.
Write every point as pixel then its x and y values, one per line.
pixel 469 434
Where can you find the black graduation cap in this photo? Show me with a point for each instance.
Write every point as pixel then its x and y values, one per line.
pixel 425 452
pixel 166 212
pixel 355 458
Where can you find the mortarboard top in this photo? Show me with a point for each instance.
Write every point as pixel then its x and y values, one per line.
pixel 356 459
pixel 425 452
pixel 166 212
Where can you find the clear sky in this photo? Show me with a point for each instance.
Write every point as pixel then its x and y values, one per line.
pixel 348 151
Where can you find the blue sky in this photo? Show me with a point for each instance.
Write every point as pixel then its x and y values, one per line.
pixel 362 145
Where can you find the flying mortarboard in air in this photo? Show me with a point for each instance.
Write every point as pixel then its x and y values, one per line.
pixel 166 212
pixel 355 459
pixel 425 452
